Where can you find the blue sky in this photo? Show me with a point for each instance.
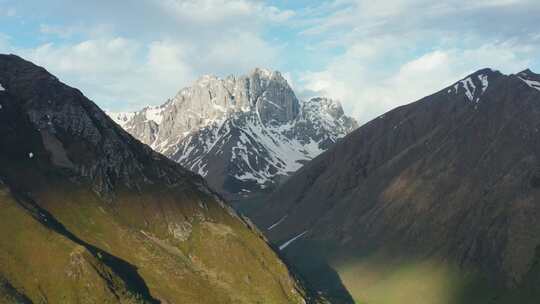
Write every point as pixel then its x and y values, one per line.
pixel 371 56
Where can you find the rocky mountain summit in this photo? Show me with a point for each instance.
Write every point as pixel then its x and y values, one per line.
pixel 242 133
pixel 88 214
pixel 441 196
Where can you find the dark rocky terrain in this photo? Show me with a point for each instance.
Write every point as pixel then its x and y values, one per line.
pixel 88 214
pixel 437 201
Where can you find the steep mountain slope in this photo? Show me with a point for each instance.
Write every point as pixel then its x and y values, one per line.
pixel 437 201
pixel 90 215
pixel 242 133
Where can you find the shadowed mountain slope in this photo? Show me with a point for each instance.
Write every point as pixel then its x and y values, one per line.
pixel 437 201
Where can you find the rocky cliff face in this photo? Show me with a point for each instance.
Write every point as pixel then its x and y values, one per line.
pixel 442 192
pixel 88 214
pixel 242 133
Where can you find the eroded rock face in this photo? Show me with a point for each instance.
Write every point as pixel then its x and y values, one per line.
pixel 72 126
pixel 210 100
pixel 242 133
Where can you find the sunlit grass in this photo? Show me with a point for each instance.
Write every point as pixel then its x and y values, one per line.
pixel 383 281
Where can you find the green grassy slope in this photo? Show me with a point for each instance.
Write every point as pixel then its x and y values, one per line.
pixel 185 247
pixel 46 266
pixel 89 215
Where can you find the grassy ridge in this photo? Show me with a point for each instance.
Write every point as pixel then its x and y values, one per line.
pixel 218 259
pixel 46 266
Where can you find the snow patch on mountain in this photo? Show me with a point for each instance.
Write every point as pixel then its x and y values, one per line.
pixel 154 114
pixel 531 83
pixel 485 82
pixel 274 225
pixel 261 152
pixel 469 87
pixel 287 243
pixel 473 87
pixel 121 118
pixel 247 131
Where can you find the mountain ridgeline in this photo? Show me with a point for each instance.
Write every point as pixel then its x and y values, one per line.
pixel 437 201
pixel 88 214
pixel 434 202
pixel 243 134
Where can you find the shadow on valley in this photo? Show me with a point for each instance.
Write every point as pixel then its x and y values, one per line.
pixel 373 278
pixel 309 259
pixel 10 294
pixel 399 277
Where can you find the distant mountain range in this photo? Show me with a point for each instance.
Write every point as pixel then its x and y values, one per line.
pixel 437 201
pixel 243 134
pixel 88 214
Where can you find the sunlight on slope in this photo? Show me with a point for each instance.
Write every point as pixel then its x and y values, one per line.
pixel 373 281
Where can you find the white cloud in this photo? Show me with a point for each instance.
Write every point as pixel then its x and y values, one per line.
pixel 127 58
pixel 116 71
pixel 60 31
pixel 121 73
pixel 395 52
pixel 91 56
pixel 371 55
pixel 367 94
pixel 237 53
pixel 223 11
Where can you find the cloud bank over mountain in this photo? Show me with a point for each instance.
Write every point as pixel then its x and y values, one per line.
pixel 371 56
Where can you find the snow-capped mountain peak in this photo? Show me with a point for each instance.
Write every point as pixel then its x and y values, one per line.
pixel 243 133
pixel 474 85
pixel 121 118
pixel 266 73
